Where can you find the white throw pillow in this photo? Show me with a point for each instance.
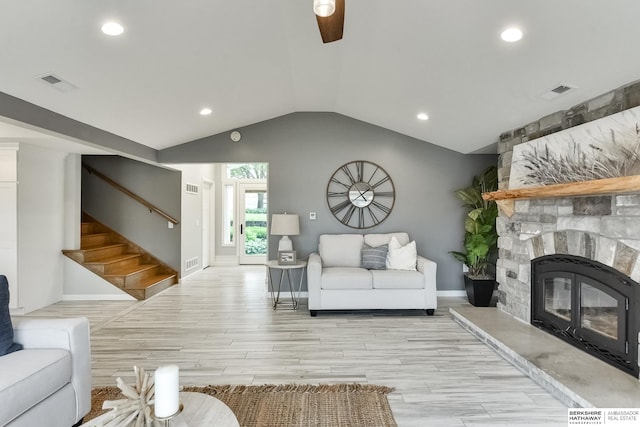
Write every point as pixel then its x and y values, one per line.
pixel 402 257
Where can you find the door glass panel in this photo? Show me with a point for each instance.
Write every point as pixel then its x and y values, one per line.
pixel 255 215
pixel 228 215
pixel 557 297
pixel 598 311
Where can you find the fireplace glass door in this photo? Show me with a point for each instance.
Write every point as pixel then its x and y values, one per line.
pixel 598 311
pixel 602 314
pixel 583 307
pixel 557 296
pixel 586 305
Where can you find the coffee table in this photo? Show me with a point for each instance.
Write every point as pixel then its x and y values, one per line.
pixel 200 410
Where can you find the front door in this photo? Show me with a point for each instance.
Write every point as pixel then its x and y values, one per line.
pixel 252 219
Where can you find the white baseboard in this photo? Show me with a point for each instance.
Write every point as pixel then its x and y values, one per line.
pixel 98 297
pixel 187 275
pixel 444 294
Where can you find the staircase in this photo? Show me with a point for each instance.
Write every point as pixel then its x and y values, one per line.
pixel 121 262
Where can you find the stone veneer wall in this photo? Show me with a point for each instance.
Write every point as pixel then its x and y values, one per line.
pixel 602 228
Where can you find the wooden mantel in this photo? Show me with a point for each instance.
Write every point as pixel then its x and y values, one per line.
pixel 506 198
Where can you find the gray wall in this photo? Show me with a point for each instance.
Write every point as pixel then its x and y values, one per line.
pixel 304 149
pixel 118 211
pixel 23 111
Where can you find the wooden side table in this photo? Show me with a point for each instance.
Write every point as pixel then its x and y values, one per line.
pixel 285 270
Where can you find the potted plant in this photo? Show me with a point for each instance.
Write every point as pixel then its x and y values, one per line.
pixel 480 238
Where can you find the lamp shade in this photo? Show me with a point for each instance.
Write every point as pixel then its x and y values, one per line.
pixel 324 8
pixel 285 225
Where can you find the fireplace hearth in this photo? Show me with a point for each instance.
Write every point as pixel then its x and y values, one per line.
pixel 589 305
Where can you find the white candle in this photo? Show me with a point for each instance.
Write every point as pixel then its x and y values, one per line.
pixel 166 392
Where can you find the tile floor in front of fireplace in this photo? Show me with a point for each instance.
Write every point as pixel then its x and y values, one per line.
pixel 218 326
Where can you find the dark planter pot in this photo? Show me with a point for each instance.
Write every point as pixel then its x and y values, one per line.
pixel 479 291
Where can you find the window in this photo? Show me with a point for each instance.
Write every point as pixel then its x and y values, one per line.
pixel 229 208
pixel 246 170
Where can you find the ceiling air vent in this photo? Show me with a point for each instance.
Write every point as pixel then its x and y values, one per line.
pixel 57 83
pixel 561 89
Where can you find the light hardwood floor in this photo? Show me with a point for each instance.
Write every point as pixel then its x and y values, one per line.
pixel 218 326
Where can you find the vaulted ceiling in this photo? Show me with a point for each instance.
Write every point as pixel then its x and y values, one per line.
pixel 251 60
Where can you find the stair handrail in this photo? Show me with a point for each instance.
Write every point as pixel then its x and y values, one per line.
pixel 150 206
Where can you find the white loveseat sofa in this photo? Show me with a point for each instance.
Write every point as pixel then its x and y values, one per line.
pixel 336 280
pixel 48 383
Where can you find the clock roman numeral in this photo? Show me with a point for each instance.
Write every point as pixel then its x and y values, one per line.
pixel 347 216
pixel 382 181
pixel 360 169
pixel 373 216
pixel 338 194
pixel 383 208
pixel 383 194
pixel 373 174
pixel 347 172
pixel 337 181
pixel 340 207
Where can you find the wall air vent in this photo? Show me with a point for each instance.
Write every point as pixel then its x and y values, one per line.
pixel 56 82
pixel 558 90
pixel 192 188
pixel 191 263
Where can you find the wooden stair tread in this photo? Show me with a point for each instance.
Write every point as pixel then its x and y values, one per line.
pixel 119 261
pixel 100 246
pixel 127 271
pixel 143 284
pixel 113 259
pixel 101 233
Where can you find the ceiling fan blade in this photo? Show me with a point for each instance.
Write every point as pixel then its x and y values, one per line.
pixel 331 27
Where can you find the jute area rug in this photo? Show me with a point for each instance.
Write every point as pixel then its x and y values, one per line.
pixel 341 405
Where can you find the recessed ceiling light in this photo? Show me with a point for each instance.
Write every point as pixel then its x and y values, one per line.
pixel 511 35
pixel 423 116
pixel 112 29
pixel 206 111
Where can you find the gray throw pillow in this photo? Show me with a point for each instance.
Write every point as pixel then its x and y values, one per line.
pixel 374 258
pixel 6 328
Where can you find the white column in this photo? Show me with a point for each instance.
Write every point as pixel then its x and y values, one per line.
pixel 72 200
pixel 9 218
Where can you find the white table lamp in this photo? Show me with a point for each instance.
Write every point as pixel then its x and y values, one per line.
pixel 285 225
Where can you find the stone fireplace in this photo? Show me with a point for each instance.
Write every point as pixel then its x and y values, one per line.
pixel 597 233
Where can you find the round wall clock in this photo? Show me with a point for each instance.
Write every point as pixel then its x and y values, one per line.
pixel 360 194
pixel 235 136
